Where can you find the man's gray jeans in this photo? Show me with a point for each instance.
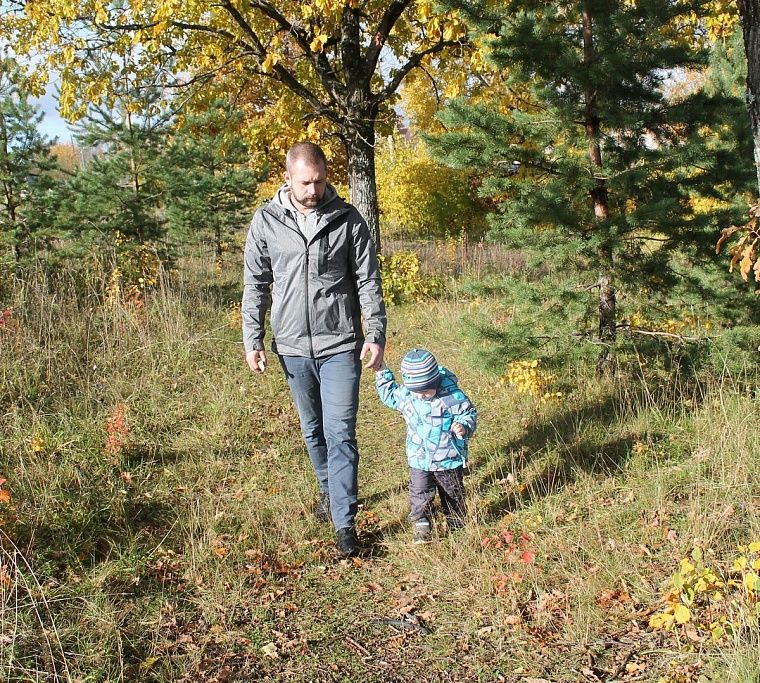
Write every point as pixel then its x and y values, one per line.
pixel 326 395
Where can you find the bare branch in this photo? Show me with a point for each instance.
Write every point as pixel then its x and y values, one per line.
pixel 281 73
pixel 434 84
pixel 414 61
pixel 666 335
pixel 391 15
pixel 318 59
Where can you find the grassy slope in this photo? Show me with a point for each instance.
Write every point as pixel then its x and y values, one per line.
pixel 191 552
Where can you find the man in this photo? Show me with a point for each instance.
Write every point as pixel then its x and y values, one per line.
pixel 310 255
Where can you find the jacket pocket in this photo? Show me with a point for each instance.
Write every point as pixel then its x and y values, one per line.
pixel 337 313
pixel 286 320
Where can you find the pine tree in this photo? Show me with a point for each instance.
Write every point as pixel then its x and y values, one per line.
pixel 211 189
pixel 25 166
pixel 594 169
pixel 115 203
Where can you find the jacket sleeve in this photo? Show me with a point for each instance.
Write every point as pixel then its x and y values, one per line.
pixel 257 285
pixel 467 416
pixel 387 389
pixel 366 273
pixel 464 413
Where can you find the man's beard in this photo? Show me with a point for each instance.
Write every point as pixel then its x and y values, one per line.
pixel 309 202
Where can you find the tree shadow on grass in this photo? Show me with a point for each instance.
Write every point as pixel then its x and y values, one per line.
pixel 101 507
pixel 222 291
pixel 577 451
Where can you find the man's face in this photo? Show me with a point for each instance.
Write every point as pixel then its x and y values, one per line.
pixel 307 183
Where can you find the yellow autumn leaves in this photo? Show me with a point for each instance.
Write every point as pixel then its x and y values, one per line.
pixel 686 323
pixel 745 251
pixel 528 378
pixel 447 26
pixel 707 603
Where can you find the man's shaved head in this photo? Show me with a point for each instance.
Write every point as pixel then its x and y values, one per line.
pixel 307 152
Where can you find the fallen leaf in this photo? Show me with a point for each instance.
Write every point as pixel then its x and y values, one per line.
pixel 148 663
pixel 220 551
pixel 5 496
pixel 426 616
pixel 682 614
pixel 612 596
pixel 270 650
pixel 527 557
pixel 627 497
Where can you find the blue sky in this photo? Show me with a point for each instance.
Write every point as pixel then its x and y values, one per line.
pixel 52 124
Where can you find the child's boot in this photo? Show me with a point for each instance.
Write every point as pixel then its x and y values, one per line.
pixel 423 532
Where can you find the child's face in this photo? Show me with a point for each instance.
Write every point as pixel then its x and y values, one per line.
pixel 426 395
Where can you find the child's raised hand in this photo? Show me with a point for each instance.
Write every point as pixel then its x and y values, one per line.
pixel 458 429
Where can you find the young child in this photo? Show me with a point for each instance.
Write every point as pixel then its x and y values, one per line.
pixel 440 420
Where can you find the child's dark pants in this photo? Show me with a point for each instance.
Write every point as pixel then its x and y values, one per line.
pixel 450 486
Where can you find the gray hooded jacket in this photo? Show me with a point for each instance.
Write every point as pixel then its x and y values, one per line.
pixel 320 278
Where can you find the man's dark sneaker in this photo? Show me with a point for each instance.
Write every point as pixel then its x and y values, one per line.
pixel 347 541
pixel 423 533
pixel 322 511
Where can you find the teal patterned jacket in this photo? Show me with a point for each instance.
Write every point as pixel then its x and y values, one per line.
pixel 430 443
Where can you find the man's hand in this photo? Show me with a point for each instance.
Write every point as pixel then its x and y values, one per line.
pixel 458 429
pixel 257 361
pixel 375 360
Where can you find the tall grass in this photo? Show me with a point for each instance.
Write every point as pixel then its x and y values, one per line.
pixel 187 550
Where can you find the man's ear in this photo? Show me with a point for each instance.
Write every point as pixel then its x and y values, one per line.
pixel 286 176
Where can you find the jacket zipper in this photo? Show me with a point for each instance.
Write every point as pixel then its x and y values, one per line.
pixel 339 214
pixel 306 297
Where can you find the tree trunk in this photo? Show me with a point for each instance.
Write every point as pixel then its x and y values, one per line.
pixel 749 10
pixel 360 147
pixel 218 243
pixel 600 201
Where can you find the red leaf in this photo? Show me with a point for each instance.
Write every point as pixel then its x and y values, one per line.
pixel 527 557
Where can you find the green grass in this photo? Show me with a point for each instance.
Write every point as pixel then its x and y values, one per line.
pixel 190 553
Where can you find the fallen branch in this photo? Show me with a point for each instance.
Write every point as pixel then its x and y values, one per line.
pixel 669 335
pixel 359 648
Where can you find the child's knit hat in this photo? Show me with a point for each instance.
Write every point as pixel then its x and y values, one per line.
pixel 419 370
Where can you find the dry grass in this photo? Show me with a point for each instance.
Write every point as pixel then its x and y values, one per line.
pixel 190 553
